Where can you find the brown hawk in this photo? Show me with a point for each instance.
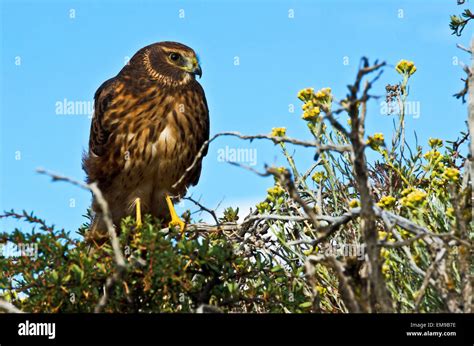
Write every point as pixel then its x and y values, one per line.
pixel 149 123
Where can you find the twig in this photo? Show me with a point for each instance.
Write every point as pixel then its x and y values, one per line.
pixel 119 259
pixel 462 94
pixel 29 218
pixel 259 217
pixel 109 284
pixel 427 278
pixel 249 168
pixel 118 256
pixel 460 46
pixel 276 140
pixel 202 207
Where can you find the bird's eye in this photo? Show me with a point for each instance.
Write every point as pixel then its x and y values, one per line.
pixel 174 56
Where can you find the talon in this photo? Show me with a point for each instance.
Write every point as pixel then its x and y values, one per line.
pixel 178 222
pixel 175 220
pixel 187 264
pixel 138 212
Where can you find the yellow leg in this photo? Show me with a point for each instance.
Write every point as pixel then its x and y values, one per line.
pixel 138 210
pixel 175 220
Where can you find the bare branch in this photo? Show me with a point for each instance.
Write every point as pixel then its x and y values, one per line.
pixel 467 50
pixel 202 207
pixel 119 259
pixel 276 140
pixel 380 299
pixel 284 177
pixel 426 281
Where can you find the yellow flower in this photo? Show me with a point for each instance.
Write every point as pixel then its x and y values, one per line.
pixel 278 132
pixel 450 212
pixel 262 207
pixel 451 174
pixel 384 252
pixel 404 234
pixel 321 290
pixel 323 93
pixel 436 182
pixel 318 177
pixel 281 170
pixel 324 97
pixel 407 191
pixel 406 67
pixel 354 203
pixel 276 191
pixel 312 114
pixel 386 202
pixel 375 141
pixel 378 137
pixel 440 166
pixel 386 270
pixel 435 142
pixel 432 155
pixel 414 199
pixel 314 101
pixel 307 106
pixel 306 94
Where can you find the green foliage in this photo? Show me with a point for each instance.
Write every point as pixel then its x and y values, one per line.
pixel 230 215
pixel 459 22
pixel 181 273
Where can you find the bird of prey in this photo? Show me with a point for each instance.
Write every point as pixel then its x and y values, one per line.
pixel 149 123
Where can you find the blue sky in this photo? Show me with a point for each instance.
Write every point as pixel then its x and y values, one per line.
pixel 57 50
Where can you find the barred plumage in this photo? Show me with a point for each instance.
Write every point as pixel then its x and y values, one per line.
pixel 149 123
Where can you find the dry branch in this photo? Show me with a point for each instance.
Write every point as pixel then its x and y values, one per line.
pixel 276 140
pixel 119 259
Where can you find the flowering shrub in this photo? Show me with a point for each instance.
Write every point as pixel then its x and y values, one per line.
pixel 340 235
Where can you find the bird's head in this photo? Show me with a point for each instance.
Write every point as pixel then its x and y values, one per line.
pixel 171 63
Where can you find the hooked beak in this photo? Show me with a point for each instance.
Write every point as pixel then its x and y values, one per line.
pixel 197 70
pixel 194 67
